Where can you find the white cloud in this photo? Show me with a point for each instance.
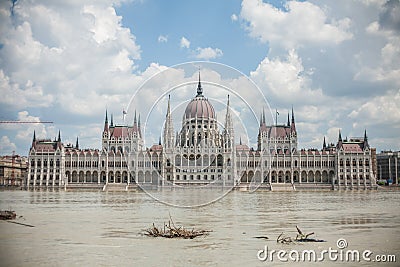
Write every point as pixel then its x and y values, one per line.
pixel 185 43
pixel 68 60
pixel 302 23
pixel 373 2
pixel 383 109
pixel 29 95
pixel 162 39
pixel 6 146
pixel 208 53
pixel 25 131
pixel 53 50
pixel 387 67
pixel 286 80
pixel 234 17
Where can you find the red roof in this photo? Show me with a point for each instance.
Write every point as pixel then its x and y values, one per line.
pixel 123 131
pixel 156 148
pixel 199 107
pixel 276 131
pixel 353 147
pixel 242 148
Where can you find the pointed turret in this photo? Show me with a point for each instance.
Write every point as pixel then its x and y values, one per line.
pixel 324 144
pixel 34 136
pixel 135 120
pixel 168 107
pixel 139 129
pixel 228 131
pixel 263 116
pixel 293 125
pixel 168 127
pixel 112 121
pixel 77 143
pixel 365 139
pixel 288 121
pixel 199 88
pixel 106 123
pixel 261 119
pixel 59 136
pixel 340 140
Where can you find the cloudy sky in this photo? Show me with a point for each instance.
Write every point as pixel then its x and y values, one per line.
pixel 336 62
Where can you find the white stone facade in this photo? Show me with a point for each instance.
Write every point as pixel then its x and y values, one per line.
pixel 200 154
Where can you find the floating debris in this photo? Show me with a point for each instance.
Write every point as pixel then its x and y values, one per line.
pixel 23 224
pixel 171 231
pixel 7 215
pixel 299 238
pixel 304 237
pixel 261 237
pixel 284 239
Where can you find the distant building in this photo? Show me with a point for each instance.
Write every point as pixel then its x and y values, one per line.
pixel 389 166
pixel 202 154
pixel 13 170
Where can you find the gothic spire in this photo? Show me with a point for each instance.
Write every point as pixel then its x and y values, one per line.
pixel 288 121
pixel 292 115
pixel 324 144
pixel 34 136
pixel 293 124
pixel 168 135
pixel 140 131
pixel 134 120
pixel 340 136
pixel 228 118
pixel 199 88
pixel 106 122
pixel 112 122
pixel 77 143
pixel 263 116
pixel 229 132
pixel 59 136
pixel 365 139
pixel 169 107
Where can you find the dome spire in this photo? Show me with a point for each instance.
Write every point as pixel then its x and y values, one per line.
pixel 199 89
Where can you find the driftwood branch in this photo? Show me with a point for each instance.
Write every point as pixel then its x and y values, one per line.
pixel 300 237
pixel 284 239
pixel 10 215
pixel 171 231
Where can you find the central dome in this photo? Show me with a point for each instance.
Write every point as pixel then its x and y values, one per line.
pixel 199 107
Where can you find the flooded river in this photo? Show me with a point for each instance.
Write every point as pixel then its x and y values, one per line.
pixel 90 228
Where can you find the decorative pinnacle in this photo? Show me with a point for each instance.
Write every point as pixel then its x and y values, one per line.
pixel 199 89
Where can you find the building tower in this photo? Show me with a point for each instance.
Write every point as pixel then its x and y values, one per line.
pixel 199 123
pixel 168 128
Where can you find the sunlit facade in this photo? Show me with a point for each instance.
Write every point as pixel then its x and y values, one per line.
pixel 200 154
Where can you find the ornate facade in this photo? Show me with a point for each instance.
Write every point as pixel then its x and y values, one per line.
pixel 199 154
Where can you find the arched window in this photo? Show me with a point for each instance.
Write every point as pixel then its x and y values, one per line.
pixel 219 160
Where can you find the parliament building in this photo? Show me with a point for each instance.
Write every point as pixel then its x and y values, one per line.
pixel 201 154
